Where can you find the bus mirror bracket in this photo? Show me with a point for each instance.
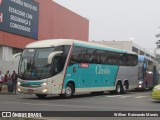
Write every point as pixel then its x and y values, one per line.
pixel 50 57
pixel 15 56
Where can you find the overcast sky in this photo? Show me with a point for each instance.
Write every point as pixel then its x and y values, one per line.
pixel 120 20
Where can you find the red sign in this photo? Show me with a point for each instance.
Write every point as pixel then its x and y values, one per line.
pixel 84 65
pixel 1 17
pixel 0 2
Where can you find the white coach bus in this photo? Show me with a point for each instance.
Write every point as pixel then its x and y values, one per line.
pixel 65 67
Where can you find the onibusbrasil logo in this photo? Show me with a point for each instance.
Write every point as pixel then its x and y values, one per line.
pixel 20 114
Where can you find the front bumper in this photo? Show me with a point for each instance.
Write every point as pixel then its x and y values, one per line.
pixel 30 90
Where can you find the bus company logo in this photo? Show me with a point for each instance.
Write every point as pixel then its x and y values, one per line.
pixel 6 114
pixel 102 70
pixel 83 65
pixel 1 17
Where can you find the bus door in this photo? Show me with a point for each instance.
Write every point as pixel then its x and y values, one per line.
pixel 57 68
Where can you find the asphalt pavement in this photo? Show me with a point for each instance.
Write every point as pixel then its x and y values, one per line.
pixel 132 101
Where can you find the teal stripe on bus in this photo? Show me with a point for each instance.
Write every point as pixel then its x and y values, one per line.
pixel 100 48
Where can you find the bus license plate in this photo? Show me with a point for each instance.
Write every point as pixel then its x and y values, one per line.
pixel 30 90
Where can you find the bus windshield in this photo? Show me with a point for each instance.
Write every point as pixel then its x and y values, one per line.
pixel 34 63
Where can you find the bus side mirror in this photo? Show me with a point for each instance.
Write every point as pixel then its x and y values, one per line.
pixel 15 56
pixel 50 57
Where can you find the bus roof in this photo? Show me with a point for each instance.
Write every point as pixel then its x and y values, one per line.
pixel 143 57
pixel 58 42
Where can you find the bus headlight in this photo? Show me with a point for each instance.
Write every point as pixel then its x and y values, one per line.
pixel 18 83
pixel 140 86
pixel 44 84
pixel 45 90
pixel 140 82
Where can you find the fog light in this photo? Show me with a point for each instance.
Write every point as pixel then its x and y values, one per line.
pixel 45 90
pixel 19 90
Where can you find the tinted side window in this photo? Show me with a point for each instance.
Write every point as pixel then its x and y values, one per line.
pixel 78 55
pixel 114 58
pixel 130 60
pixel 101 56
pixel 94 56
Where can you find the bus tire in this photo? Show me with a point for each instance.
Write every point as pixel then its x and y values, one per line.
pixel 69 90
pixel 119 88
pixel 41 96
pixel 124 88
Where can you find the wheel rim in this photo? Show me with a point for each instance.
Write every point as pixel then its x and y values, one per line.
pixel 124 88
pixel 68 91
pixel 118 88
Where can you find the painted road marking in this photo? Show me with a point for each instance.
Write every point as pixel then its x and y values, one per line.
pixel 114 96
pixel 125 96
pixel 141 96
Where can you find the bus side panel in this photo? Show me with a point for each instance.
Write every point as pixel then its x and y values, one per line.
pixel 91 77
pixel 128 73
pixel 109 79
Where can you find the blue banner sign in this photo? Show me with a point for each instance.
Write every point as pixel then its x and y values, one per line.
pixel 19 17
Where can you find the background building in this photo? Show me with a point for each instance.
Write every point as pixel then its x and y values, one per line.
pixel 127 45
pixel 28 21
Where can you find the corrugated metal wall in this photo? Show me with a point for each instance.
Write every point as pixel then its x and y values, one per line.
pixel 55 21
pixel 59 22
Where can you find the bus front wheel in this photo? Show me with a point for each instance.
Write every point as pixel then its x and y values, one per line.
pixel 69 90
pixel 119 88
